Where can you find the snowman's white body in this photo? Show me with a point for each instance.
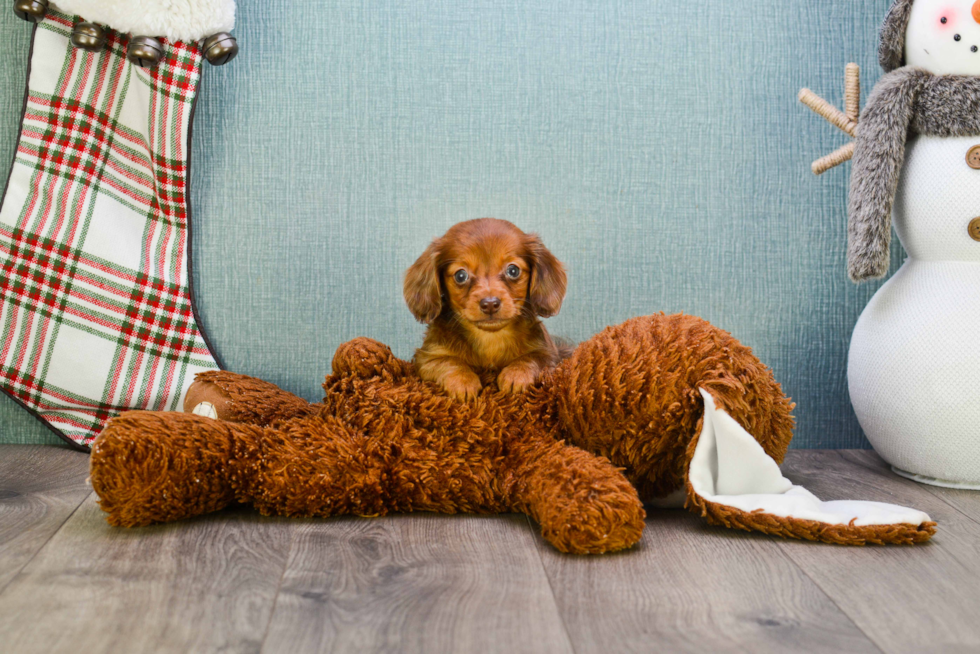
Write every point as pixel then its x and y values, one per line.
pixel 914 364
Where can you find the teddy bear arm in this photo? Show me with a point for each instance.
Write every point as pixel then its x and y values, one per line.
pixel 583 504
pixel 239 398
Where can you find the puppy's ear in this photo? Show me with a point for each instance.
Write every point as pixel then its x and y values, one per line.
pixel 548 279
pixel 422 290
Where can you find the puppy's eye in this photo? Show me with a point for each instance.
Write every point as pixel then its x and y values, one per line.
pixel 461 276
pixel 512 272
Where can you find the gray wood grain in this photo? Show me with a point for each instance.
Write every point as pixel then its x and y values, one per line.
pixel 197 586
pixel 966 501
pixel 416 583
pixel 692 588
pixel 907 599
pixel 237 582
pixel 40 486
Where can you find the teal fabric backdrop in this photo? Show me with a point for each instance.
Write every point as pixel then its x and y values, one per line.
pixel 656 146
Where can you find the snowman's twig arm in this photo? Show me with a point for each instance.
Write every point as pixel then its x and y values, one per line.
pixel 828 112
pixel 834 159
pixel 846 121
pixel 852 91
pixel 879 154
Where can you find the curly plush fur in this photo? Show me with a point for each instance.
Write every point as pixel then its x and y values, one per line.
pixel 177 20
pixel 384 441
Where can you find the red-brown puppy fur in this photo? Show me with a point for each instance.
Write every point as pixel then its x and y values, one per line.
pixel 481 288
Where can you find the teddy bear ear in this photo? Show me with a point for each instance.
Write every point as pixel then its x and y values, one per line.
pixel 891 47
pixel 422 292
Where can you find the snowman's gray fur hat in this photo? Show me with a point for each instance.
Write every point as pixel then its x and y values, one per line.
pixel 891 48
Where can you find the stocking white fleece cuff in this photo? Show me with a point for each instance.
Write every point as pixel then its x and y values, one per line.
pixel 176 20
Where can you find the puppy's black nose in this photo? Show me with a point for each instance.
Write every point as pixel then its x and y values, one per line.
pixel 490 305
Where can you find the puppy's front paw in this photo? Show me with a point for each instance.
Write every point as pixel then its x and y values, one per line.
pixel 462 385
pixel 517 377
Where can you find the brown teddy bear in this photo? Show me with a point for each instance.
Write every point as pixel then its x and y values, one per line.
pixel 617 423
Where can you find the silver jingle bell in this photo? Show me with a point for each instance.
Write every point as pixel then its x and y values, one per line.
pixel 31 10
pixel 220 48
pixel 89 37
pixel 145 51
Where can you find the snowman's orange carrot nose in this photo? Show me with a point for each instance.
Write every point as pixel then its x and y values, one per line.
pixel 976 11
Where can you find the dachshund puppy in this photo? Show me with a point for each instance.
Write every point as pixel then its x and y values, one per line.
pixel 481 288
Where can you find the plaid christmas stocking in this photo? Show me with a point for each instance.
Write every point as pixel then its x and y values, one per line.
pixel 96 309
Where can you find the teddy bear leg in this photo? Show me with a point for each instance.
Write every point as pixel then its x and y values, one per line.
pixel 321 466
pixel 583 503
pixel 240 398
pixel 151 467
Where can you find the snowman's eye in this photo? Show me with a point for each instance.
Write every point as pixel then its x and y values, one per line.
pixel 943 20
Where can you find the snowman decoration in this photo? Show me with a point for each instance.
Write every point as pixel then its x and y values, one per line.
pixel 914 362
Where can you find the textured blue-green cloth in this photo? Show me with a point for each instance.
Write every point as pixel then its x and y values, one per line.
pixel 658 148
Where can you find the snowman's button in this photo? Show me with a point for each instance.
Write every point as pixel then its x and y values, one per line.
pixel 973 157
pixel 974 229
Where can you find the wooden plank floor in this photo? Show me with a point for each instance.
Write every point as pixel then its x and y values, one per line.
pixel 238 582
